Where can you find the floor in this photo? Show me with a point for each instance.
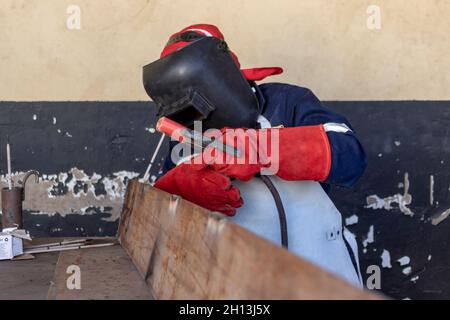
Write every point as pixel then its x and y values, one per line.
pixel 105 273
pixel 27 279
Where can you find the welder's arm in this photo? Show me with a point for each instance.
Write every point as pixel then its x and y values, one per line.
pixel 297 153
pixel 328 152
pixel 348 158
pixel 318 145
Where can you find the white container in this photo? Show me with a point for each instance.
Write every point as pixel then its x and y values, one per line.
pixel 10 245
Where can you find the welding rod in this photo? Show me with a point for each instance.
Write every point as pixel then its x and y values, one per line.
pixel 185 135
pixel 147 172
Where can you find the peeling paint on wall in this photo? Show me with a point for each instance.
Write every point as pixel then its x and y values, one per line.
pixel 403 261
pixel 438 218
pixel 369 238
pixel 386 259
pixel 402 200
pixel 76 192
pixel 351 220
pixel 407 270
pixel 431 189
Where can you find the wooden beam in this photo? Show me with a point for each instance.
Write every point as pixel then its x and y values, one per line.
pixel 185 252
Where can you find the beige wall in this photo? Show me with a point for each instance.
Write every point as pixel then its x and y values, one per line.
pixel 322 44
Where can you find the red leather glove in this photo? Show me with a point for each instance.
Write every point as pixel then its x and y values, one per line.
pixel 202 186
pixel 296 153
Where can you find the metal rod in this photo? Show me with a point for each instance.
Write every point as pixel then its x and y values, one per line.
pixel 8 159
pixel 195 138
pixel 65 248
pixel 75 245
pixel 147 172
pixel 53 244
pixel 225 148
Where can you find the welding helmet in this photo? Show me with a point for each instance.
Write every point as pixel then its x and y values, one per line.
pixel 201 81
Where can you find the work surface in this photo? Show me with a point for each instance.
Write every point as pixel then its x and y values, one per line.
pixel 105 273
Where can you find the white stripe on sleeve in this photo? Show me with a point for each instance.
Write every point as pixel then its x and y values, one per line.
pixel 336 127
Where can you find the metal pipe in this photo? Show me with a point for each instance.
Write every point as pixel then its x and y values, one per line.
pixel 12 207
pixel 27 175
pixel 65 248
pixel 12 199
pixel 8 159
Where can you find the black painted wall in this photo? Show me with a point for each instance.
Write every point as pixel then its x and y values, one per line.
pixel 400 137
pixel 422 131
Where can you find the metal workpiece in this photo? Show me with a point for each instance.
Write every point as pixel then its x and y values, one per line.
pixel 12 207
pixel 27 175
pixel 12 199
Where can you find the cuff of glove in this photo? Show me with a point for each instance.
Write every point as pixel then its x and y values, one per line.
pixel 305 153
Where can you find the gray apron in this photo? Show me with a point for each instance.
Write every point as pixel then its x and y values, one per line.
pixel 315 229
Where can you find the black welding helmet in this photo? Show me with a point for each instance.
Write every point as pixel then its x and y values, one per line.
pixel 202 82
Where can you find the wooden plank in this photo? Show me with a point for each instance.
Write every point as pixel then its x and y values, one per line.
pixel 106 273
pixel 185 252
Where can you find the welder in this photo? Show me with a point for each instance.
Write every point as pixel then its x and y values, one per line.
pixel 198 78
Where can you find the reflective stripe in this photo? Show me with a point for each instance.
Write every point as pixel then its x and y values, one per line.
pixel 206 33
pixel 263 122
pixel 329 127
pixel 336 127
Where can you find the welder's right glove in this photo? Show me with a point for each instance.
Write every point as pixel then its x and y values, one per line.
pixel 293 154
pixel 205 187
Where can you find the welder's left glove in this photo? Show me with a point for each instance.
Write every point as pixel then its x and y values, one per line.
pixel 204 187
pixel 295 153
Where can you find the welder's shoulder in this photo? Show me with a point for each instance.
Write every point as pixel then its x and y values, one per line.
pixel 294 105
pixel 286 92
